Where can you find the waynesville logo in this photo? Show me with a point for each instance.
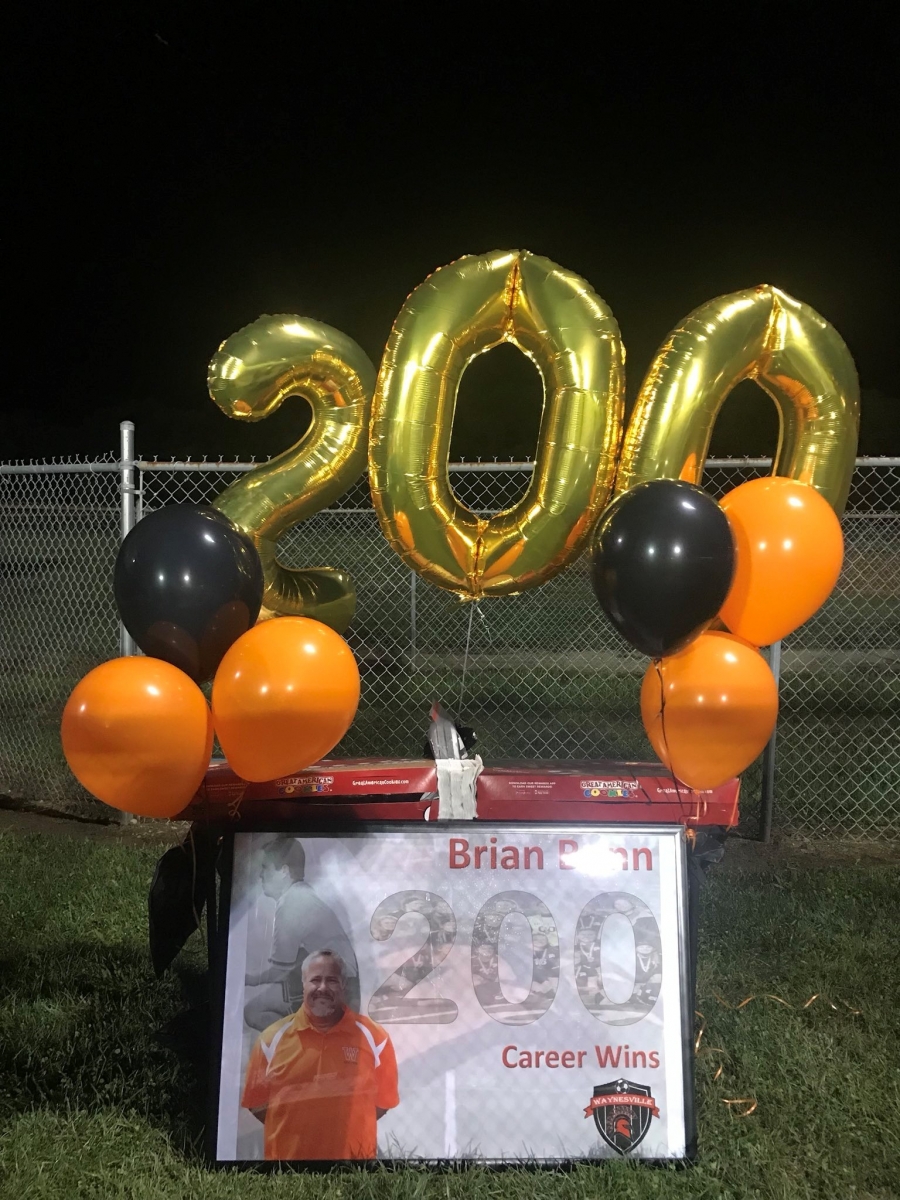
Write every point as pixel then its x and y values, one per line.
pixel 622 1113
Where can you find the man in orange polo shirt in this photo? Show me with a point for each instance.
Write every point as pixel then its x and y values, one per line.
pixel 321 1078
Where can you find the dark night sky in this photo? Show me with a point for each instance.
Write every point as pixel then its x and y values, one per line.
pixel 180 171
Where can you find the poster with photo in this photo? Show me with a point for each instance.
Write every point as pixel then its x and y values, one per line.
pixel 489 992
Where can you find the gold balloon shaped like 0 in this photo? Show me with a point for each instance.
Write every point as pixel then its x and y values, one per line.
pixel 462 310
pixel 252 373
pixel 284 695
pixel 794 355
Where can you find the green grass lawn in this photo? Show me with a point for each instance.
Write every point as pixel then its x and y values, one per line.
pixel 92 1105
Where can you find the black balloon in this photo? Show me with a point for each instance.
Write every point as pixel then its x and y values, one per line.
pixel 188 584
pixel 663 561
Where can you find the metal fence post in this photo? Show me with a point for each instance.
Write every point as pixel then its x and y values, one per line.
pixel 127 492
pixel 767 797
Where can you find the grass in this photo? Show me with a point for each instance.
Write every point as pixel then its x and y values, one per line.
pixel 92 1105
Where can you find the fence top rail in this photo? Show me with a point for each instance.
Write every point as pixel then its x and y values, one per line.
pixel 458 468
pixel 76 468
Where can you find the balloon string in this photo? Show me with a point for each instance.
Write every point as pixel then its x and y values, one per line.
pixel 749 1103
pixel 203 796
pixel 462 682
pixel 193 877
pixel 484 621
pixel 692 816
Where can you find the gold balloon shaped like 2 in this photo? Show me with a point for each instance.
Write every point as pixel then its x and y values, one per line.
pixel 255 370
pixel 556 319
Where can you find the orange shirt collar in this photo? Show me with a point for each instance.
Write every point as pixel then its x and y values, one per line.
pixel 301 1021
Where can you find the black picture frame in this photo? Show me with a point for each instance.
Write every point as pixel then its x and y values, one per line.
pixel 334 826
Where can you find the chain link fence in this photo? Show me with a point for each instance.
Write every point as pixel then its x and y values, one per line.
pixel 541 675
pixel 59 535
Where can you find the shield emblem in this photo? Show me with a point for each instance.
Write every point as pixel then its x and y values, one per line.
pixel 622 1112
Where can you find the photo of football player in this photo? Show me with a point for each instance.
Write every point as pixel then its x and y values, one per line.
pixel 301 921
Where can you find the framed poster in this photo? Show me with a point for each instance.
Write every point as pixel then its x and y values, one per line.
pixel 456 991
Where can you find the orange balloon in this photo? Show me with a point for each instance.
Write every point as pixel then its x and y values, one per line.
pixel 788 554
pixel 284 695
pixel 709 710
pixel 137 733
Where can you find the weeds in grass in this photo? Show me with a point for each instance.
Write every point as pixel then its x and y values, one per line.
pixel 92 1104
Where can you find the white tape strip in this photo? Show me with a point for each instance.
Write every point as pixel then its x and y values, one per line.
pixel 457 798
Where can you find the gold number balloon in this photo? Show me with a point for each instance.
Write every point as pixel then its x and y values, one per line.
pixel 783 345
pixel 253 371
pixel 463 310
pixel 555 318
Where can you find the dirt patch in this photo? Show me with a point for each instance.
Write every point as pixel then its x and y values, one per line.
pixel 15 819
pixel 741 854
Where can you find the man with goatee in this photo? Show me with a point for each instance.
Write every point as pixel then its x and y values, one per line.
pixel 320 1079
